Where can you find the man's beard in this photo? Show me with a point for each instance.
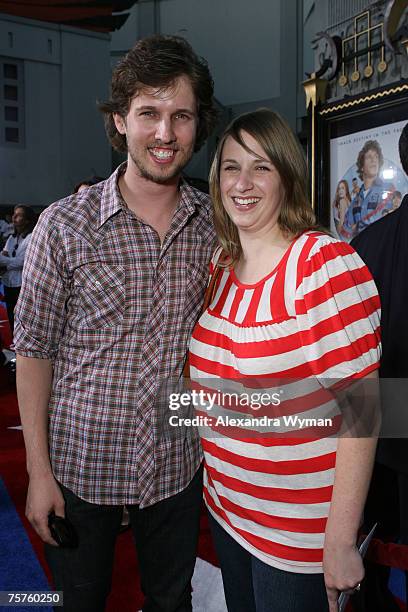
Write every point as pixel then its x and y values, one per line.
pixel 162 177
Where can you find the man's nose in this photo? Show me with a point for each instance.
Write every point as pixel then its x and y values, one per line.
pixel 165 131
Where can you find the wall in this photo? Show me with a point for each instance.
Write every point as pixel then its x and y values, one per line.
pixel 65 71
pixel 245 67
pixel 252 49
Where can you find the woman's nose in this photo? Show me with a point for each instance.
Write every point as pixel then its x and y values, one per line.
pixel 244 181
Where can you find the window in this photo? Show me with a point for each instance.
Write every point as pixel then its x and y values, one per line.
pixel 12 134
pixel 10 71
pixel 10 92
pixel 11 102
pixel 11 113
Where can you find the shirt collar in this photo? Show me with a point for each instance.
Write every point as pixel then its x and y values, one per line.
pixel 188 197
pixel 112 202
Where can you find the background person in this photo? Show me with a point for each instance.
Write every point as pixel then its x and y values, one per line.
pixel 113 286
pixel 88 182
pixel 384 248
pixel 294 303
pixel 13 255
pixel 6 228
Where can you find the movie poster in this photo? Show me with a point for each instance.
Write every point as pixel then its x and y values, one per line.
pixel 366 178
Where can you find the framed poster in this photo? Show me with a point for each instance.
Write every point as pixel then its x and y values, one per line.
pixel 359 174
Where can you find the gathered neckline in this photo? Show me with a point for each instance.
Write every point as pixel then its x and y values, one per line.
pixel 269 275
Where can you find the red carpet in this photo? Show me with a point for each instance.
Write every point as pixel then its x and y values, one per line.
pixel 5 331
pixel 126 594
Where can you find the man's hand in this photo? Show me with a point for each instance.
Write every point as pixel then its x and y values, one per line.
pixel 343 571
pixel 43 497
pixel 34 377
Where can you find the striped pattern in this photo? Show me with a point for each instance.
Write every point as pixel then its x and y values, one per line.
pixel 314 321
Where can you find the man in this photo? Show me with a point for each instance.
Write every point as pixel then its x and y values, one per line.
pixel 114 283
pixel 355 188
pixel 374 195
pixel 396 200
pixel 383 247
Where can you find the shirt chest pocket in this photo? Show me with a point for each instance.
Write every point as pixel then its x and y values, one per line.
pixel 100 295
pixel 195 278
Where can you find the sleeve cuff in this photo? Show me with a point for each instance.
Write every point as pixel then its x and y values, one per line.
pixel 33 354
pixel 348 380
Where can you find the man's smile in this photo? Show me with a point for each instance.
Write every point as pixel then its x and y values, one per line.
pixel 162 154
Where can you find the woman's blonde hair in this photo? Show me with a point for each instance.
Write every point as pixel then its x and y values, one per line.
pixel 282 148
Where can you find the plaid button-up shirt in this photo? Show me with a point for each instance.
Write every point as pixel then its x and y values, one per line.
pixel 114 310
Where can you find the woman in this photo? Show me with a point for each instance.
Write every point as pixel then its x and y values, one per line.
pixel 340 205
pixel 12 257
pixel 293 303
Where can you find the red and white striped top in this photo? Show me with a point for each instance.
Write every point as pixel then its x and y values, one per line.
pixel 316 316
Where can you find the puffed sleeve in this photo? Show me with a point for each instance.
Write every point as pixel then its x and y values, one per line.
pixel 338 313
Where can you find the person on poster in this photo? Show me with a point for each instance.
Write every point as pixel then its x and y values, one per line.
pixel 355 187
pixel 341 204
pixel 396 200
pixel 113 286
pixel 374 195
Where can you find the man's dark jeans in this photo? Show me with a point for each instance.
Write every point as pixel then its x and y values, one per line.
pixel 253 586
pixel 166 536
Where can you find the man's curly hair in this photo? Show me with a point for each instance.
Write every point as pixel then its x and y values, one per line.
pixel 370 145
pixel 157 61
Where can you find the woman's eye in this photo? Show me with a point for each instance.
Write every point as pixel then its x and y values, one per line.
pixel 263 168
pixel 229 168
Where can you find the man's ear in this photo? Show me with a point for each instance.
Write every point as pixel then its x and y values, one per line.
pixel 119 123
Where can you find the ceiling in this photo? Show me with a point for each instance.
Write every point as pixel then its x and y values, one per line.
pixel 96 15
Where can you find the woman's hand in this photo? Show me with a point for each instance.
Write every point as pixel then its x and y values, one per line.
pixel 343 570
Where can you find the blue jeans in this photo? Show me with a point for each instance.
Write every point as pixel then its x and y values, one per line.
pixel 253 586
pixel 166 537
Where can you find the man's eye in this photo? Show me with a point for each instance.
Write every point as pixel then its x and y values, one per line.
pixel 147 114
pixel 182 116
